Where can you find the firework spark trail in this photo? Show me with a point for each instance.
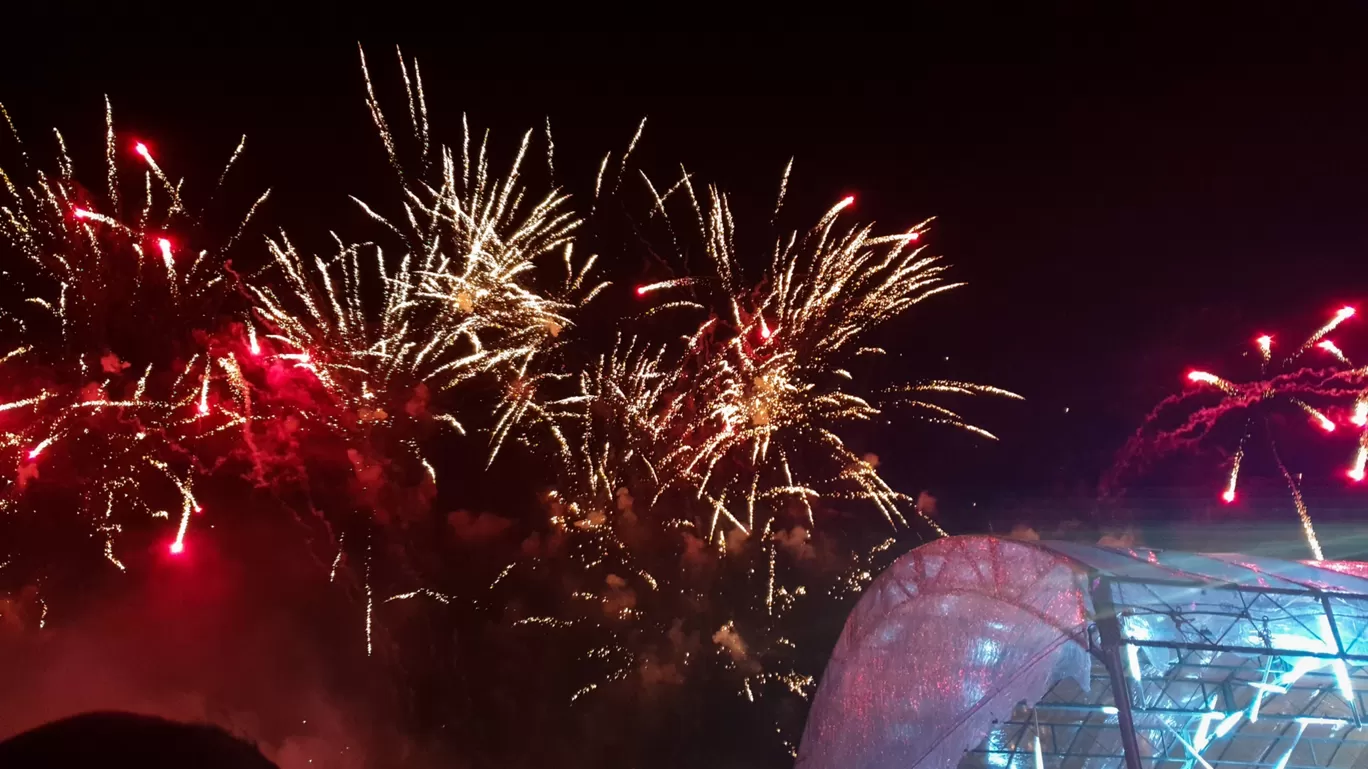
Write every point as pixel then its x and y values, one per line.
pixel 1229 494
pixel 1356 472
pixel 1333 349
pixel 1344 313
pixel 1308 531
pixel 337 560
pixel 370 600
pixel 1336 388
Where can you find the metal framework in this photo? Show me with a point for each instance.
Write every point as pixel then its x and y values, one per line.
pixel 1203 661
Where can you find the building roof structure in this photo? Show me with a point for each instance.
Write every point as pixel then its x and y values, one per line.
pixel 980 652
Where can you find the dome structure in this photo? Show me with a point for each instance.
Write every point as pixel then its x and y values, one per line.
pixel 980 652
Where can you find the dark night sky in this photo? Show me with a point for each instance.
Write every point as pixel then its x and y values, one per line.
pixel 1126 197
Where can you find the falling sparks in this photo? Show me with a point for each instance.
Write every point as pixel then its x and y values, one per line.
pixel 420 592
pixel 33 453
pixel 337 560
pixel 1228 495
pixel 1344 313
pixel 1308 531
pixel 1319 394
pixel 370 603
pixel 1203 377
pixel 1360 461
pixel 1333 349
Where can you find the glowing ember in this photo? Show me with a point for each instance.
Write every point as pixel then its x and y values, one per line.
pixel 1333 349
pixel 39 448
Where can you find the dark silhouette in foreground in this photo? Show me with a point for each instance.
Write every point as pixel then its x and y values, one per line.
pixel 128 740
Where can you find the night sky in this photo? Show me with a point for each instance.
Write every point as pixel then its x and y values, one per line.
pixel 1126 197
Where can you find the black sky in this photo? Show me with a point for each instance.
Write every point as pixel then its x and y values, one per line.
pixel 1126 196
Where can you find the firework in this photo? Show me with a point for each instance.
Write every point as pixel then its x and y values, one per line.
pixel 485 285
pixel 696 472
pixel 471 288
pixel 1291 383
pixel 107 417
pixel 697 461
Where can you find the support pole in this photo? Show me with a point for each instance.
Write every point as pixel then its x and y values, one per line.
pixel 1109 631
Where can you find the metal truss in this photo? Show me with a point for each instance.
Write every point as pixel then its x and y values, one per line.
pixel 1199 674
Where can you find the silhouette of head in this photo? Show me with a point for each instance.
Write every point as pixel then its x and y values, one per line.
pixel 128 740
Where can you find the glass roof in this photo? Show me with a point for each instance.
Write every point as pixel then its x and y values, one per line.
pixel 1215 569
pixel 986 653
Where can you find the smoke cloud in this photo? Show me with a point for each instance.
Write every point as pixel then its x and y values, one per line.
pixel 210 639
